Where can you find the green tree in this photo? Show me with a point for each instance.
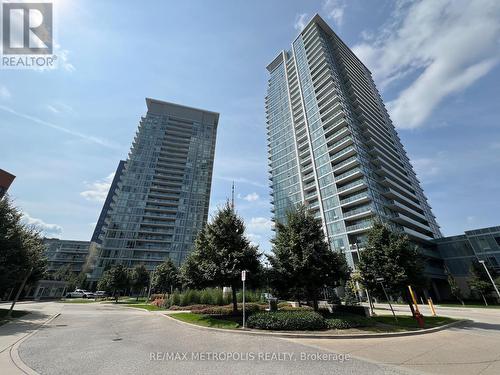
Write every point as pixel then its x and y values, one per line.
pixel 454 288
pixel 139 279
pixel 220 253
pixel 165 277
pixel 22 252
pixel 73 280
pixel 391 256
pixel 479 281
pixel 350 296
pixel 115 280
pixel 302 262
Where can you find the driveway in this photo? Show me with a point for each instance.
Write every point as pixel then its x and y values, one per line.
pixel 471 349
pixel 108 339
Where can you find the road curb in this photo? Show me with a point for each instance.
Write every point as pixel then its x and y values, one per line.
pixel 14 349
pixel 320 335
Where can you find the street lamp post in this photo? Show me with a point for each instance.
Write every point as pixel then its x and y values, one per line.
pixel 381 281
pixel 491 278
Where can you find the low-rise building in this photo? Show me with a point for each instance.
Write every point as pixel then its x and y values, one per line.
pixel 459 252
pixel 63 252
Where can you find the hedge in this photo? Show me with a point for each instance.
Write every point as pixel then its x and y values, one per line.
pixel 351 322
pixel 287 320
pixel 295 308
pixel 357 310
pixel 228 309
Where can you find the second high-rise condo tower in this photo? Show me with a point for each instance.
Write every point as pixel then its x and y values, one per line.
pixel 333 146
pixel 162 198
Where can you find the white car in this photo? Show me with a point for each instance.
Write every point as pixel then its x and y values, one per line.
pixel 80 293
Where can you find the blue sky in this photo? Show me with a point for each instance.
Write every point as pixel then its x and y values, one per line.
pixel 63 131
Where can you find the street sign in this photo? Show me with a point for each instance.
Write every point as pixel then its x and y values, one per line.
pixel 243 275
pixel 379 279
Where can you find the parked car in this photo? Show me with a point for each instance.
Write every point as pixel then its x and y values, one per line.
pixel 101 294
pixel 80 293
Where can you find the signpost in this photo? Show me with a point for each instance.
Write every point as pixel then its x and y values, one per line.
pixel 381 281
pixel 243 278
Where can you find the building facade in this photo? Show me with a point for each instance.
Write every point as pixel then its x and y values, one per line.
pixel 459 252
pixel 61 253
pixel 333 146
pixel 5 181
pixel 107 203
pixel 164 191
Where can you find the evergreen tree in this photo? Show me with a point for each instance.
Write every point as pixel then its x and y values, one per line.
pixel 220 253
pixel 391 256
pixel 302 262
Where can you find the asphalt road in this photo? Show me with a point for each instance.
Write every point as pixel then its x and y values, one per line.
pixel 107 339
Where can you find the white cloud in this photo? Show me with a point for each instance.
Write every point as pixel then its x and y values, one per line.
pixel 74 133
pixel 252 197
pixel 4 92
pixel 441 47
pixel 98 190
pixel 427 168
pixel 48 230
pixel 63 59
pixel 59 107
pixel 259 225
pixel 300 21
pixel 334 10
pixel 259 232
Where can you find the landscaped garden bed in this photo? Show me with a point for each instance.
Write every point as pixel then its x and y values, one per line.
pixel 307 321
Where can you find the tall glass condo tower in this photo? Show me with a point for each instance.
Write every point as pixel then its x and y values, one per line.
pixel 333 146
pixel 164 191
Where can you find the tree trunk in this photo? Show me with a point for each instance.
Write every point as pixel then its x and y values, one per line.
pixel 235 301
pixel 315 302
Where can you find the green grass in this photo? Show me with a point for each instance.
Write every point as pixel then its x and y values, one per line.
pixel 15 314
pixel 205 320
pixel 408 322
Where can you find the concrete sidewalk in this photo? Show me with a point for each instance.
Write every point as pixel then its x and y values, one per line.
pixel 13 333
pixel 472 349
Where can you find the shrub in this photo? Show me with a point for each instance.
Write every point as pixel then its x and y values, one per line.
pixel 159 302
pixel 346 322
pixel 287 320
pixel 215 310
pixel 357 310
pixel 250 308
pixel 250 296
pixel 152 297
pixel 284 304
pixel 174 299
pixel 189 307
pixel 298 308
